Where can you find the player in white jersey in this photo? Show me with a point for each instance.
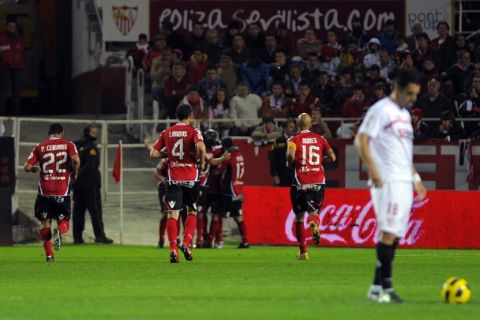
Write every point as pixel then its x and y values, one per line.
pixel 385 145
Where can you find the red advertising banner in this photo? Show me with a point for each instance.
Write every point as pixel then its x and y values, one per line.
pixel 445 219
pixel 297 15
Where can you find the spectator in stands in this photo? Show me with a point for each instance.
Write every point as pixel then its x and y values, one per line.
pixel 319 126
pixel 423 51
pixel 386 65
pixel 213 49
pixel 198 37
pixel 433 104
pixel 267 132
pixel 211 83
pixel 159 44
pixel 450 129
pixel 228 72
pixel 357 104
pixel 476 82
pixel 372 77
pixel 416 30
pixel 459 44
pixel 308 44
pixel 11 64
pixel 218 109
pixel 343 90
pixel 401 43
pixel 373 55
pixel 270 48
pixel 312 68
pixel 244 109
pixel 255 73
pixel 328 62
pixel 421 130
pixel 460 72
pixel 430 72
pixel 470 108
pixel 305 101
pixel 139 51
pixel 387 36
pixel 380 91
pixel 359 33
pixel 352 56
pixel 333 43
pixel 403 60
pixel 325 92
pixel 197 65
pixel 443 44
pixel 281 174
pixel 239 50
pixel 160 70
pixel 292 85
pixel 276 105
pixel 194 100
pixel 174 39
pixel 280 68
pixel 255 38
pixel 175 87
pixel 233 28
pixel 284 39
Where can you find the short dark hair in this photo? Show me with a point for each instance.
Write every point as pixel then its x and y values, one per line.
pixel 286 122
pixel 408 76
pixel 211 66
pixel 278 83
pixel 227 143
pixel 184 111
pixel 423 35
pixel 358 86
pixel 445 23
pixel 282 50
pixel 304 84
pixel 268 119
pixel 142 36
pixel 55 128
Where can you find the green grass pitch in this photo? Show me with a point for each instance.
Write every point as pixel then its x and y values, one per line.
pixel 114 282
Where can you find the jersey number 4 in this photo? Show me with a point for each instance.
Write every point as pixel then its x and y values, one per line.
pixel 311 152
pixel 177 150
pixel 59 159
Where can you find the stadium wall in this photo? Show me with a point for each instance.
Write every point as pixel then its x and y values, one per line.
pixel 445 219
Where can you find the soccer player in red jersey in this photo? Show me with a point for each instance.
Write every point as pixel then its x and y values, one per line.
pixel 184 147
pixel 231 172
pixel 53 157
pixel 305 151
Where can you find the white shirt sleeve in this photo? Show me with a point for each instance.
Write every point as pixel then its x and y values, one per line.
pixel 373 123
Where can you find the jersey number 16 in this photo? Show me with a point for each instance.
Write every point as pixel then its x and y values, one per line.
pixel 311 152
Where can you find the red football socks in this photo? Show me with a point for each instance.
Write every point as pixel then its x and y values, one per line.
pixel 162 227
pixel 172 231
pixel 200 228
pixel 46 237
pixel 219 235
pixel 214 226
pixel 190 225
pixel 63 226
pixel 301 236
pixel 243 231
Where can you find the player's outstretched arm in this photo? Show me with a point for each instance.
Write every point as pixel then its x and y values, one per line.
pixel 75 165
pixel 225 157
pixel 418 185
pixel 361 142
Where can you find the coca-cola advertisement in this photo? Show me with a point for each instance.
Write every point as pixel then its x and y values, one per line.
pixel 296 15
pixel 445 219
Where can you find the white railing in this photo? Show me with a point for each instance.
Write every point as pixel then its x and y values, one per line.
pixel 15 129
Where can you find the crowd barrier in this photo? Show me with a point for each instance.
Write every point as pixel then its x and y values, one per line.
pixel 445 219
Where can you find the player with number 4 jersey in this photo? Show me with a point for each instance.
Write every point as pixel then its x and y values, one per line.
pixel 54 157
pixel 305 152
pixel 185 150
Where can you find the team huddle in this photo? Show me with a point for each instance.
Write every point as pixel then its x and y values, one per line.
pixel 198 175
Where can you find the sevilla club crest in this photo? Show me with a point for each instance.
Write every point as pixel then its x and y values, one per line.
pixel 125 18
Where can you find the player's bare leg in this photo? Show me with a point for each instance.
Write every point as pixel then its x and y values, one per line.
pixel 172 232
pixel 161 230
pixel 243 232
pixel 201 221
pixel 302 243
pixel 46 237
pixel 190 226
pixel 214 230
pixel 385 254
pixel 314 227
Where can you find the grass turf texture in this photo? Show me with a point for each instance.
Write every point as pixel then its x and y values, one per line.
pixel 113 282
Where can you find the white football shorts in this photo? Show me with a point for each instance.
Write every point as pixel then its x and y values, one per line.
pixel 392 204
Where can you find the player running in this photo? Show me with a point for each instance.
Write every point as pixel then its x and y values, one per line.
pixel 54 157
pixel 305 151
pixel 183 146
pixel 385 145
pixel 231 173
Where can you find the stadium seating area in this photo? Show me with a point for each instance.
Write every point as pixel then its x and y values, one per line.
pixel 284 76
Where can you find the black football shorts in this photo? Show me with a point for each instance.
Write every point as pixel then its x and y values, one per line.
pixel 57 208
pixel 309 200
pixel 179 196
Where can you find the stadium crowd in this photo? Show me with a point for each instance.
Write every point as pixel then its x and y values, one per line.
pixel 253 76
